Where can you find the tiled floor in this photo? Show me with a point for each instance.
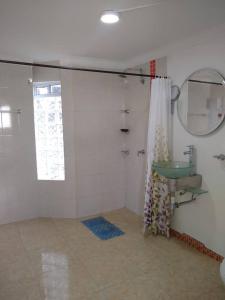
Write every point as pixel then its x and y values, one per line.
pixel 60 259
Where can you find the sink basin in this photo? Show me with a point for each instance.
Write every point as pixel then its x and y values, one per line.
pixel 173 169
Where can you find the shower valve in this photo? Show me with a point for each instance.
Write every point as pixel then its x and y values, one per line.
pixel 220 157
pixel 141 152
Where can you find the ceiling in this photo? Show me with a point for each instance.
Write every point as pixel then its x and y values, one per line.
pixel 70 30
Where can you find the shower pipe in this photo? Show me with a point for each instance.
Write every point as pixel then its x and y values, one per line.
pixel 14 62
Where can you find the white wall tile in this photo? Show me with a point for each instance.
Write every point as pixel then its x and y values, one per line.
pixel 94 165
pixel 19 194
pixel 90 206
pixel 137 100
pixel 88 185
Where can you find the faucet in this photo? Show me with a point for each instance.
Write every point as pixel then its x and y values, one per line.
pixel 189 152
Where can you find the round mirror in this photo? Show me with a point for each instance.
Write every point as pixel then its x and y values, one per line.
pixel 201 105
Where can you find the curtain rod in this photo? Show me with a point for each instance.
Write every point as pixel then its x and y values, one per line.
pixel 14 62
pixel 206 82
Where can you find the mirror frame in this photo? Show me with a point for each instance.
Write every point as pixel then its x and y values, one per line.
pixel 183 125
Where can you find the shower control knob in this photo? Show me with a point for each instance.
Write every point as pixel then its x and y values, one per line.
pixel 141 152
pixel 126 152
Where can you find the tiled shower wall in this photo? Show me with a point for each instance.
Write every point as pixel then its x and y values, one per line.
pixel 18 186
pixel 95 167
pixel 137 100
pixel 100 167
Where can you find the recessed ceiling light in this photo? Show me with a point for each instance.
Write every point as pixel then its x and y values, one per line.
pixel 110 17
pixel 113 16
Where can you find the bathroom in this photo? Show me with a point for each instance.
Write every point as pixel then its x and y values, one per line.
pixel 98 151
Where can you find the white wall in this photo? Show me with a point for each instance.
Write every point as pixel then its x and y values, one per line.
pixel 94 165
pixel 100 172
pixel 137 100
pixel 19 195
pixel 205 218
pixel 98 177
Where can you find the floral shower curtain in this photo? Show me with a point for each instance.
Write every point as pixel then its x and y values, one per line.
pixel 157 201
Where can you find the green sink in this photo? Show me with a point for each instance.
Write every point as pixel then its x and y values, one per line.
pixel 173 169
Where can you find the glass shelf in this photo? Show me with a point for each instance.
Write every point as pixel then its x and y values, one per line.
pixel 196 191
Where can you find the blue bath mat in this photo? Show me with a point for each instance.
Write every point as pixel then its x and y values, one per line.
pixel 102 228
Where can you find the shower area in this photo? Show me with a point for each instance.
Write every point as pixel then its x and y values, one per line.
pixel 92 141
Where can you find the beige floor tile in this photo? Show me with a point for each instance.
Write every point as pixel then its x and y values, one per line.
pixel 14 272
pixel 217 293
pixel 52 258
pixel 9 232
pixel 84 246
pixel 76 236
pixel 67 283
pixel 40 224
pixel 110 268
pixel 121 292
pixel 92 248
pixel 60 259
pixel 70 227
pixel 11 245
pixel 124 291
pixel 11 251
pixel 39 240
pixel 23 290
pixel 126 220
pixel 161 286
pixel 39 233
pixel 198 278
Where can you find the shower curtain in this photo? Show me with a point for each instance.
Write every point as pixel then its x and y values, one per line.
pixel 157 201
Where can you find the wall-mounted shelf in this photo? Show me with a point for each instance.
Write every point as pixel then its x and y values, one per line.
pixel 125 130
pixel 195 192
pixel 125 152
pixel 125 111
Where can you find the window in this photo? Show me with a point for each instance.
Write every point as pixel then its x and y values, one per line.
pixel 48 130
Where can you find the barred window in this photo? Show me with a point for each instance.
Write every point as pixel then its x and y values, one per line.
pixel 48 130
